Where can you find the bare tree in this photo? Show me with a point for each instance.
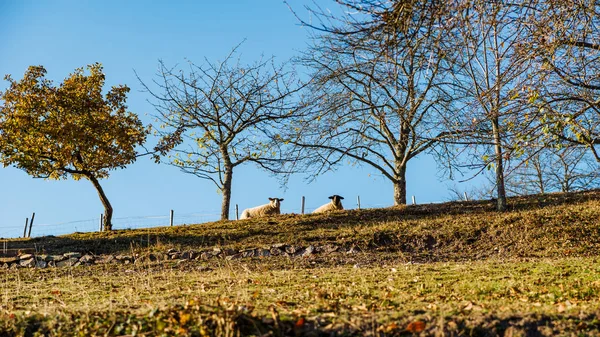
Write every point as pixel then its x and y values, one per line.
pixel 217 116
pixel 492 74
pixel 378 78
pixel 570 168
pixel 564 45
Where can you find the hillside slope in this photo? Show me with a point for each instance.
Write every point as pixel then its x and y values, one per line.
pixel 551 225
pixel 453 269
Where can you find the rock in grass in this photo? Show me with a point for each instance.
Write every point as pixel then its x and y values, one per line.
pixel 276 251
pixel 55 258
pixel 263 252
pixel 70 262
pixel 41 264
pixel 188 255
pixel 25 256
pixel 105 259
pixel 309 250
pixel 248 253
pixel 124 258
pixel 71 255
pixel 89 259
pixel 29 263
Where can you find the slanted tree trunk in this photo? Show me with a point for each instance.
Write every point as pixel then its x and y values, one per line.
pixel 500 188
pixel 108 210
pixel 400 186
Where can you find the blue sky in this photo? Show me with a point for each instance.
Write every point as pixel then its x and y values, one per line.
pixel 133 35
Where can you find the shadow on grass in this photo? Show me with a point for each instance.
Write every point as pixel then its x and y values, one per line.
pixel 219 322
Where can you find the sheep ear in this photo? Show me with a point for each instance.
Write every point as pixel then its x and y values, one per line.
pixel 331 197
pixel 280 199
pixel 271 199
pixel 341 198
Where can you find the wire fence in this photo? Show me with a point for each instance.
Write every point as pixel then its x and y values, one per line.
pixel 93 224
pixel 150 221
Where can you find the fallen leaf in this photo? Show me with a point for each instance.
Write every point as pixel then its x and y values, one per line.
pixel 387 328
pixel 184 318
pixel 415 327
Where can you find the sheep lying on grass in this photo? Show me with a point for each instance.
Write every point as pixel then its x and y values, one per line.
pixel 272 208
pixel 334 205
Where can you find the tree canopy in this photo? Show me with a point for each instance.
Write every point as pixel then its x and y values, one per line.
pixel 69 130
pixel 219 115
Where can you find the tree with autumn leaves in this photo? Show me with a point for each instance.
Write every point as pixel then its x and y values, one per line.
pixel 72 129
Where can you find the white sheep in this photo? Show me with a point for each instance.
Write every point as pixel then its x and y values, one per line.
pixel 272 208
pixel 334 205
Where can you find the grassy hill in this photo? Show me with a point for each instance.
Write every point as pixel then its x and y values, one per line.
pixel 551 225
pixel 448 269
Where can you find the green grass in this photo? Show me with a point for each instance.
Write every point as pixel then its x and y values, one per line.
pixel 452 269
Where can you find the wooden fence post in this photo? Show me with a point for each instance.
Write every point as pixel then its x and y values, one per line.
pixel 302 205
pixel 31 224
pixel 171 218
pixel 237 214
pixel 466 197
pixel 414 200
pixel 101 222
pixel 25 230
pixel 358 201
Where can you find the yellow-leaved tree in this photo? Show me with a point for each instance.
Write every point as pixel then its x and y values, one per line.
pixel 72 129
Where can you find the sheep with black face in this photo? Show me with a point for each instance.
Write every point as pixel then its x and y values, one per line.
pixel 272 208
pixel 334 205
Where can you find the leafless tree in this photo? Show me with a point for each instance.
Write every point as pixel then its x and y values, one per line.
pixel 564 45
pixel 491 75
pixel 217 116
pixel 566 169
pixel 378 75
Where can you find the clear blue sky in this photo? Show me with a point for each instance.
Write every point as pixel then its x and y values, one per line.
pixel 133 35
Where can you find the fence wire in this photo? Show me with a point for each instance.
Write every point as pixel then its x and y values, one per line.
pixel 143 221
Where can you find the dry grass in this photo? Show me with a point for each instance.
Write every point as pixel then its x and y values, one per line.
pixel 452 269
pixel 553 225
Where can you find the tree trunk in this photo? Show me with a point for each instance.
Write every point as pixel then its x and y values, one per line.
pixel 500 188
pixel 228 176
pixel 400 186
pixel 108 210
